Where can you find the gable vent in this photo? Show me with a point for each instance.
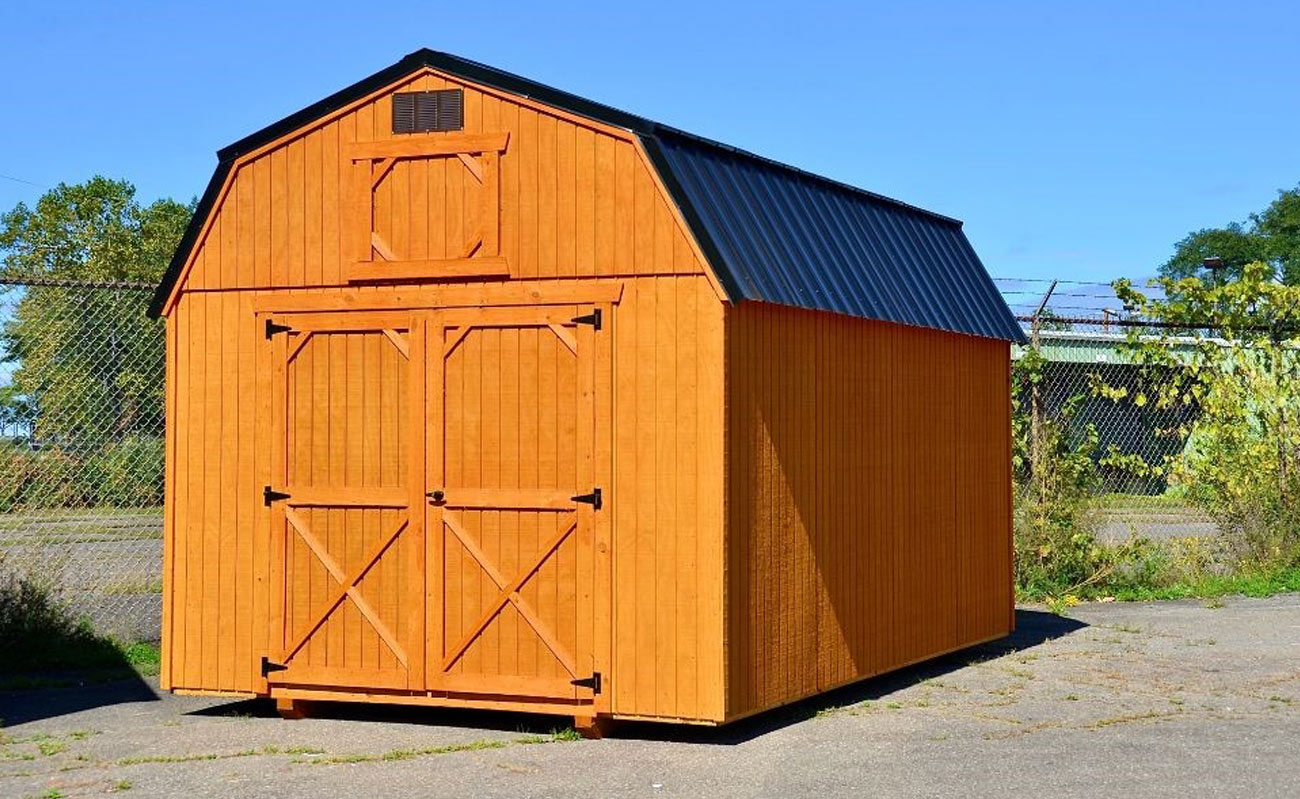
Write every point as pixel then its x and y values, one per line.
pixel 404 112
pixel 421 112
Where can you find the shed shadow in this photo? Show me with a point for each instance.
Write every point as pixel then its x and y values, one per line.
pixel 1033 627
pixel 81 692
pixel 379 713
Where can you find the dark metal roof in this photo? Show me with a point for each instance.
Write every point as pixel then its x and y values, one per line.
pixel 770 231
pixel 788 237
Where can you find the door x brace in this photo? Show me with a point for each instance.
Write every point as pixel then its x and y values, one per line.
pixel 347 588
pixel 509 594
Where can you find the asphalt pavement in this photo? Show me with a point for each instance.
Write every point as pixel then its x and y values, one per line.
pixel 1162 699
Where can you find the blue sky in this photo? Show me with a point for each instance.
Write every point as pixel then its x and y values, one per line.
pixel 1077 141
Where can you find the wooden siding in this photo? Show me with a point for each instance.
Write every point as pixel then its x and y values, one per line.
pixel 868 498
pixel 576 200
pixel 665 506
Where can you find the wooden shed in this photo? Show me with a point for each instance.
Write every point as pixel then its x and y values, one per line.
pixel 482 394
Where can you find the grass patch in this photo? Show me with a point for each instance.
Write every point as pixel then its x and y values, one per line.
pixel 1215 586
pixel 410 754
pixel 1166 502
pixel 1173 569
pixel 394 755
pixel 197 757
pixel 51 748
pixel 145 585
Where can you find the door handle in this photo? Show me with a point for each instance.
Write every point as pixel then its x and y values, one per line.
pixel 436 495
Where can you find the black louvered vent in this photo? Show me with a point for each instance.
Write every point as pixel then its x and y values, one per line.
pixel 422 112
pixel 451 108
pixel 404 112
pixel 426 111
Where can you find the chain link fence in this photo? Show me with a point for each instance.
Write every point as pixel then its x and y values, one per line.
pixel 81 434
pixel 1079 330
pixel 81 448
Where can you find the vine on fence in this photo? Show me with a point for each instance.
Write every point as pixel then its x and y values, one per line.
pixel 1230 350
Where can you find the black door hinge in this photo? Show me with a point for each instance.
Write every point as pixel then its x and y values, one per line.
pixel 592 319
pixel 592 682
pixel 269 496
pixel 268 666
pixel 272 328
pixel 593 499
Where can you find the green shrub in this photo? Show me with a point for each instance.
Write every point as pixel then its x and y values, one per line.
pixel 123 474
pixel 1237 363
pixel 1055 523
pixel 38 479
pixel 126 474
pixel 37 631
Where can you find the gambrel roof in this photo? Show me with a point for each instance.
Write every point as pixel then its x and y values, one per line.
pixel 771 232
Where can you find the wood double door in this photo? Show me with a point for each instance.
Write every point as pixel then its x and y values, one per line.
pixel 436 501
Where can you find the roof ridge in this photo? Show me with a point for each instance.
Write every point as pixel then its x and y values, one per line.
pixel 644 126
pixel 839 184
pixel 649 127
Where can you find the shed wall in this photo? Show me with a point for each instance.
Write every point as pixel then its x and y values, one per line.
pixel 868 496
pixel 666 501
pixel 577 204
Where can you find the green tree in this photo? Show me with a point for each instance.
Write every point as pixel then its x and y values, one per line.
pixel 89 361
pixel 1270 237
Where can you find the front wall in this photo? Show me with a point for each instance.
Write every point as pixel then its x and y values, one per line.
pixel 575 203
pixel 869 506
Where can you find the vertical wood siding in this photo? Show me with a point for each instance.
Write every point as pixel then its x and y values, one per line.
pixel 665 504
pixel 575 202
pixel 869 514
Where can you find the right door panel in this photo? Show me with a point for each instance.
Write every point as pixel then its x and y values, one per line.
pixel 511 426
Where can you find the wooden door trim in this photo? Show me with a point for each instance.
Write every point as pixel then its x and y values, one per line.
pixel 430 422
pixel 520 316
pixel 346 497
pixel 358 321
pixel 515 293
pixel 415 352
pixel 508 499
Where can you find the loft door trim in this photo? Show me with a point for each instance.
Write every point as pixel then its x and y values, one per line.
pixel 512 294
pixel 374 259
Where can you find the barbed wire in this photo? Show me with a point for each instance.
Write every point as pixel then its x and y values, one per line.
pixel 44 282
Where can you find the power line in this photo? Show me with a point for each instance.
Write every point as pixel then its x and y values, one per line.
pixel 20 180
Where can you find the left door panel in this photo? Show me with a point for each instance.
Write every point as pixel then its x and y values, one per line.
pixel 347 554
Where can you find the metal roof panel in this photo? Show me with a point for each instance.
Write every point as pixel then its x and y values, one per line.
pixel 791 238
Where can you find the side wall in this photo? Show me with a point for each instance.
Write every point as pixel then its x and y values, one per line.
pixel 577 204
pixel 868 496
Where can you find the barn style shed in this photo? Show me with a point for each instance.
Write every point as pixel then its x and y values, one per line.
pixel 482 394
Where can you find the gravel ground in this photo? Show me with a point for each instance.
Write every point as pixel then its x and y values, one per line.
pixel 1152 699
pixel 1116 524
